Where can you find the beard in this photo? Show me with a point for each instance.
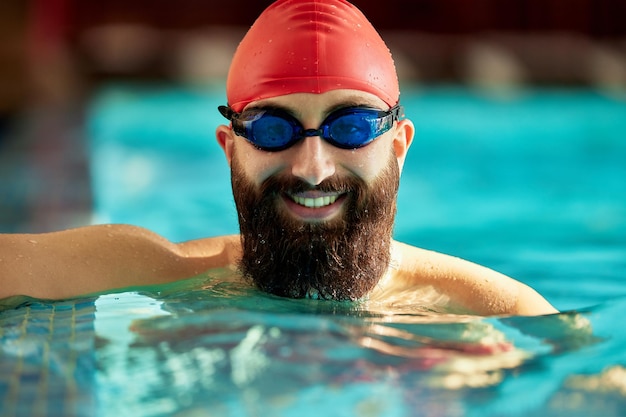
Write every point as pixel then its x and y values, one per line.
pixel 341 259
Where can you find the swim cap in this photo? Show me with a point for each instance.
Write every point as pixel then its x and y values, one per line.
pixel 310 46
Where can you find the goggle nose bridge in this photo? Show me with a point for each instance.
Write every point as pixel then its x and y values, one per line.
pixel 309 133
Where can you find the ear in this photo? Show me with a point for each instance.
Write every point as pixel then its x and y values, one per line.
pixel 403 139
pixel 224 136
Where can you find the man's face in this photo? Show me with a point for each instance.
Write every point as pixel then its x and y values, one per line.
pixel 315 219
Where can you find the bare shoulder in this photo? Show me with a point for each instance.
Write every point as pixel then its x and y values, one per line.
pixel 97 258
pixel 472 286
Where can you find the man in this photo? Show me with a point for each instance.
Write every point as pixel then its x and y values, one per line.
pixel 316 144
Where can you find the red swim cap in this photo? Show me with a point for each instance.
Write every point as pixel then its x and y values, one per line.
pixel 310 46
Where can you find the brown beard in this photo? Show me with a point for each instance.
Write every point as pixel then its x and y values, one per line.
pixel 340 259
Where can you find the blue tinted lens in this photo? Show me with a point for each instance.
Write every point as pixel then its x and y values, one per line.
pixel 270 131
pixel 356 127
pixel 353 130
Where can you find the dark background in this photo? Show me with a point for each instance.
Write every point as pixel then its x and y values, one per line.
pixel 53 36
pixel 597 18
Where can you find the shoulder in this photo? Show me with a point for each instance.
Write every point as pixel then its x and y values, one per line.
pixel 224 250
pixel 469 285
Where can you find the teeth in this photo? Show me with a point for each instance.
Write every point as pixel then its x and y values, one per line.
pixel 315 202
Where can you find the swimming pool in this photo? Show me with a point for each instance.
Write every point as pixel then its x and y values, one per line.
pixel 530 184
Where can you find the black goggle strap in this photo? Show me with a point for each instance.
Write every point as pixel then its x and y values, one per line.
pixel 232 115
pixel 227 112
pixel 393 114
pixel 397 112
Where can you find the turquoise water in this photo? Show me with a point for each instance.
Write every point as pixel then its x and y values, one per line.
pixel 531 185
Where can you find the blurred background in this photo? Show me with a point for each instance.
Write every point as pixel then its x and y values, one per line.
pixel 56 54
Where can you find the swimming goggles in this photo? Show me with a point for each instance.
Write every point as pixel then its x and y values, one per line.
pixel 272 129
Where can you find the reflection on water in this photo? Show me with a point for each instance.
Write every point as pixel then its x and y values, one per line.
pixel 214 345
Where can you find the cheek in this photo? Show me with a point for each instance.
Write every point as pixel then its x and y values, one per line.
pixel 256 165
pixel 368 162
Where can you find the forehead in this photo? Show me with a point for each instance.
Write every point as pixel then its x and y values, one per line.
pixel 309 102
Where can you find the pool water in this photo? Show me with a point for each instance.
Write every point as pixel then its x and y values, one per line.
pixel 530 184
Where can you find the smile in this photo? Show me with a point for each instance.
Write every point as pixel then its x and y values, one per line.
pixel 315 202
pixel 314 205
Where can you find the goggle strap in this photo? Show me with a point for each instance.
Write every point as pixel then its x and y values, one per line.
pixel 227 112
pixel 397 111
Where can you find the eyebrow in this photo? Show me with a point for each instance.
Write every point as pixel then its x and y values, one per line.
pixel 356 101
pixel 258 107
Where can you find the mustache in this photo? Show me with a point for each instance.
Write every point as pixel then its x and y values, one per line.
pixel 291 184
pixel 288 184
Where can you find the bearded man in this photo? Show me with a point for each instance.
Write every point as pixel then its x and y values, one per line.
pixel 316 143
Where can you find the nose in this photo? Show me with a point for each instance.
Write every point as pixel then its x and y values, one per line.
pixel 312 160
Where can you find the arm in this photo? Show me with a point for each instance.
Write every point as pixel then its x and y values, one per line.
pixel 470 286
pixel 97 258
